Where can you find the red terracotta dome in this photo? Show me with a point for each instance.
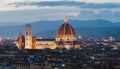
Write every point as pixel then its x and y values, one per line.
pixel 65 29
pixel 21 37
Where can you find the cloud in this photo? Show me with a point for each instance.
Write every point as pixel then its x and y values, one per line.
pixel 69 3
pixel 113 16
pixel 48 13
pixel 34 10
pixel 87 1
pixel 99 1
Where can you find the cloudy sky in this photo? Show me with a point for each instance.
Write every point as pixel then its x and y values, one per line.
pixel 24 11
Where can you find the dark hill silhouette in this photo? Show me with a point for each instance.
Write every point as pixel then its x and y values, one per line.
pixel 82 27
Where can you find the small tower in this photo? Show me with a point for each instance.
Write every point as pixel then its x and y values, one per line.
pixel 28 36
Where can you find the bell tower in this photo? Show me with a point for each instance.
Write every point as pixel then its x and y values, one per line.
pixel 28 36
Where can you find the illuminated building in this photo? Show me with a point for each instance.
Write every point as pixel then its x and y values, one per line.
pixel 28 36
pixel 20 42
pixel 65 38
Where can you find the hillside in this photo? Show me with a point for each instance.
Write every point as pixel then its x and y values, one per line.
pixel 82 27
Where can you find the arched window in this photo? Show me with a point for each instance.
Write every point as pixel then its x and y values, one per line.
pixel 67 39
pixel 60 39
pixel 26 32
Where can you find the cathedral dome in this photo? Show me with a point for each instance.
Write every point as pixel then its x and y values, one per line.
pixel 65 30
pixel 21 38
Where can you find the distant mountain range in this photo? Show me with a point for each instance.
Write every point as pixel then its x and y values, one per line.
pixel 49 28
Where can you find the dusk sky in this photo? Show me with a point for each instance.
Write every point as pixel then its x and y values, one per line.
pixel 24 11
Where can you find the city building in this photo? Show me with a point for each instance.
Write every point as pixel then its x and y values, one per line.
pixel 20 42
pixel 65 38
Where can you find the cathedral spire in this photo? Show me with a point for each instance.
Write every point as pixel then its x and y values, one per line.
pixel 65 20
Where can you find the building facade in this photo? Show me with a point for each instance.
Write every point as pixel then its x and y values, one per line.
pixel 28 36
pixel 20 42
pixel 65 38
